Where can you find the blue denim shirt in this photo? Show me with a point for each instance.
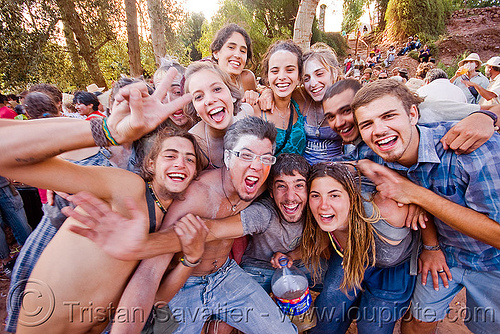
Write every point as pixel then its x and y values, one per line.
pixel 471 180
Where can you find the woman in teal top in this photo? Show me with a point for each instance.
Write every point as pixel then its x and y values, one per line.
pixel 282 70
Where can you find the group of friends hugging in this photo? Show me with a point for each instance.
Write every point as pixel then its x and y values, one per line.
pixel 385 216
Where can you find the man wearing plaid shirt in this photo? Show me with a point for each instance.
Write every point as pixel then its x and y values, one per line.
pixel 460 191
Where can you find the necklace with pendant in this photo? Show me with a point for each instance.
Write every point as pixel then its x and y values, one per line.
pixel 318 124
pixel 233 206
pixel 155 198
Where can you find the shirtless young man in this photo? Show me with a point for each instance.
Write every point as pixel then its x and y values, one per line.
pixel 75 285
pixel 227 292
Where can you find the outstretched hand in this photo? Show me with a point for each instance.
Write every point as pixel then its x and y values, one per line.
pixel 117 235
pixel 136 113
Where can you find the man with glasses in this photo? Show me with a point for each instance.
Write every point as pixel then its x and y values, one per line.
pixel 217 287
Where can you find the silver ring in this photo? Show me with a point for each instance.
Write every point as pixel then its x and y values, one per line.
pixel 440 271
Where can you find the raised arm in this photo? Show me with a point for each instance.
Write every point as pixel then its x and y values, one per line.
pixel 402 190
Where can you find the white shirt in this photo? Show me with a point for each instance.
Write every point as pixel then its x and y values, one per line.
pixel 494 87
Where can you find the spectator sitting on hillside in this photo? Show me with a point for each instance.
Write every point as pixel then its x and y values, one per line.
pixel 348 63
pixel 424 54
pixel 391 55
pixel 490 95
pixel 371 60
pixel 359 63
pixel 378 52
pixel 408 46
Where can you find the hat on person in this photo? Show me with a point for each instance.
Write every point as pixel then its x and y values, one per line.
pixel 494 61
pixel 403 70
pixel 368 70
pixel 94 88
pixel 413 84
pixel 472 57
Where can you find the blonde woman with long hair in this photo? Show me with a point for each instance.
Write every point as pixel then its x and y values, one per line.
pixel 368 277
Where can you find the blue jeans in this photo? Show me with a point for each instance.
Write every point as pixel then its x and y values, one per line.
pixel 480 310
pixel 12 213
pixel 232 296
pixel 384 299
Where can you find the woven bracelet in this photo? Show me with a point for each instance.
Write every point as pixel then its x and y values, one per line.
pixel 108 134
pixel 96 125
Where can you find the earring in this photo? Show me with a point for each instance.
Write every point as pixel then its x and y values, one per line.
pixel 233 99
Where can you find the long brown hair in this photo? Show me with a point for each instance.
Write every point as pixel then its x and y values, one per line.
pixel 359 252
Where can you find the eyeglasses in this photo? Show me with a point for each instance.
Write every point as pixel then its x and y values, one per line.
pixel 266 159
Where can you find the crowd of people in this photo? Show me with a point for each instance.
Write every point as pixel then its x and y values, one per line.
pixel 170 204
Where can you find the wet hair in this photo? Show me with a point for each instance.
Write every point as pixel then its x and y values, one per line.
pixel 380 88
pixel 435 73
pixel 287 45
pixel 165 64
pixel 226 79
pixel 86 98
pixel 223 35
pixel 288 164
pixel 40 105
pixel 168 132
pixel 359 252
pixel 325 55
pixel 340 87
pixel 250 125
pixel 48 89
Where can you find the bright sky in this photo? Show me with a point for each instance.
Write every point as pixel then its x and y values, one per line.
pixel 333 13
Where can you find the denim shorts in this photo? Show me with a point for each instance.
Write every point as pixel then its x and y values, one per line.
pixel 479 313
pixel 384 299
pixel 231 295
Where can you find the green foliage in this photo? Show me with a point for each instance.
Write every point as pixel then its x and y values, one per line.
pixel 352 10
pixel 191 33
pixel 409 17
pixel 332 39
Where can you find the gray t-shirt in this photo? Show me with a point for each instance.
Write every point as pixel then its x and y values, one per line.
pixel 269 233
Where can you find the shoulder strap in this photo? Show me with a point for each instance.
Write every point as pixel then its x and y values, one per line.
pixel 151 210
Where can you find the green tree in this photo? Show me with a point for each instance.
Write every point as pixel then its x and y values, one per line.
pixel 408 17
pixel 352 10
pixel 191 33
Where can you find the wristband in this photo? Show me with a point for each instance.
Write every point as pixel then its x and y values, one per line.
pixel 431 248
pixel 96 126
pixel 108 135
pixel 186 262
pixel 493 116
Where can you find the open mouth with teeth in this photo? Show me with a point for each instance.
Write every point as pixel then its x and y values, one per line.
pixel 178 114
pixel 234 63
pixel 317 89
pixel 217 114
pixel 282 86
pixel 251 183
pixel 290 208
pixel 326 218
pixel 177 177
pixel 387 143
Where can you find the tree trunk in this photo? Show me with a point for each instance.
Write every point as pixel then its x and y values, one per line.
pixel 155 10
pixel 134 50
pixel 73 53
pixel 69 14
pixel 302 30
